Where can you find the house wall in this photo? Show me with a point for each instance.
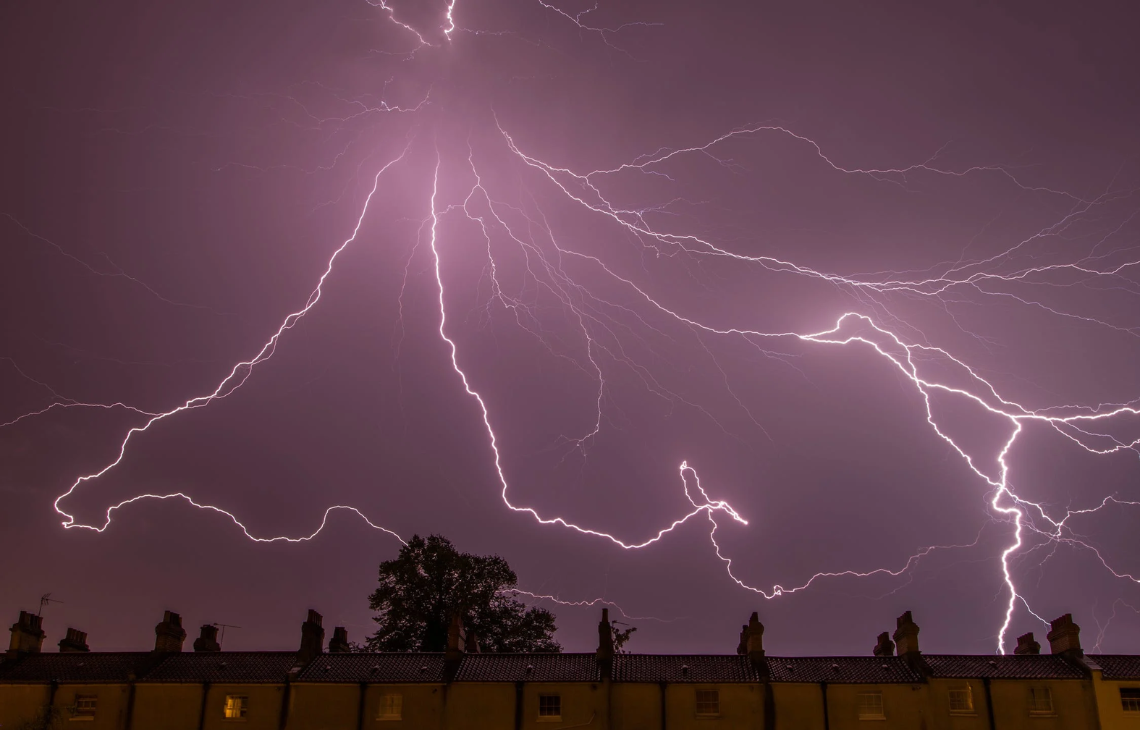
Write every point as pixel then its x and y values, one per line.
pixel 21 703
pixel 166 706
pixel 741 706
pixel 798 706
pixel 635 706
pixel 324 706
pixel 478 705
pixel 1074 704
pixel 904 706
pixel 264 706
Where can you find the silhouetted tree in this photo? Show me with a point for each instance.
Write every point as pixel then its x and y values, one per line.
pixel 620 637
pixel 430 581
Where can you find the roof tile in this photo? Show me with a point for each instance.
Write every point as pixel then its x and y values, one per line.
pixel 682 668
pixel 1118 666
pixel 228 666
pixel 1024 666
pixel 397 668
pixel 843 670
pixel 529 668
pixel 79 667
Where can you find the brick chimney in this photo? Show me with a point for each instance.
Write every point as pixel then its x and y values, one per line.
pixel 75 640
pixel 27 635
pixel 208 639
pixel 312 637
pixel 906 636
pixel 169 634
pixel 754 639
pixel 456 638
pixel 1065 636
pixel 605 654
pixel 338 644
pixel 742 646
pixel 885 647
pixel 1026 645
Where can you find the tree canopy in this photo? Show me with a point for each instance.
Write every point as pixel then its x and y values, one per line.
pixel 430 581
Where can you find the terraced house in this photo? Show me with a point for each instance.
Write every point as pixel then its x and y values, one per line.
pixel 897 686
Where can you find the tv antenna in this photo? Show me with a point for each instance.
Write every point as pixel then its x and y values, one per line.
pixel 45 599
pixel 223 627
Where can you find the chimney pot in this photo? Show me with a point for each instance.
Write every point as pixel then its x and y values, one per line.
pixel 169 634
pixel 27 635
pixel 754 639
pixel 1065 636
pixel 75 641
pixel 208 639
pixel 605 653
pixel 456 638
pixel 1026 645
pixel 885 647
pixel 339 642
pixel 312 637
pixel 906 635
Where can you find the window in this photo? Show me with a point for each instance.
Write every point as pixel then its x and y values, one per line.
pixel 549 708
pixel 1130 699
pixel 962 701
pixel 84 707
pixel 391 707
pixel 1040 701
pixel 708 703
pixel 871 706
pixel 236 707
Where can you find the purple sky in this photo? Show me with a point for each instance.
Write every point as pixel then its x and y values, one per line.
pixel 959 178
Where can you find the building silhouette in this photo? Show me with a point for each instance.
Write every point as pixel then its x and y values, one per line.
pixel 897 686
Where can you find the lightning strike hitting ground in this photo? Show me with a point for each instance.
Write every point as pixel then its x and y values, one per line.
pixel 903 348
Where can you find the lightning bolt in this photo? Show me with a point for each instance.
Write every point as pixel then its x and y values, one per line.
pixel 604 325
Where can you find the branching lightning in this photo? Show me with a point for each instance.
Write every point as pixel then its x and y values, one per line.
pixel 603 325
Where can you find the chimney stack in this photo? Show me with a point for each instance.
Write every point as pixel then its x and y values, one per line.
pixel 75 640
pixel 208 639
pixel 169 634
pixel 605 654
pixel 456 638
pixel 312 637
pixel 27 635
pixel 906 635
pixel 754 639
pixel 338 644
pixel 1026 645
pixel 742 647
pixel 1065 636
pixel 885 647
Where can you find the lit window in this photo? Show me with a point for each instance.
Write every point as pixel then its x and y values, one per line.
pixel 1040 701
pixel 391 707
pixel 962 700
pixel 708 703
pixel 1130 699
pixel 84 707
pixel 236 707
pixel 871 706
pixel 550 707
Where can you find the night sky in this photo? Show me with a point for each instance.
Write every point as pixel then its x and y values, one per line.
pixel 960 180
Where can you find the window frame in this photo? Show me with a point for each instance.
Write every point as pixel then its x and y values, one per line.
pixel 714 702
pixel 242 708
pixel 873 710
pixel 546 702
pixel 968 692
pixel 391 707
pixel 1134 700
pixel 1036 708
pixel 84 713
